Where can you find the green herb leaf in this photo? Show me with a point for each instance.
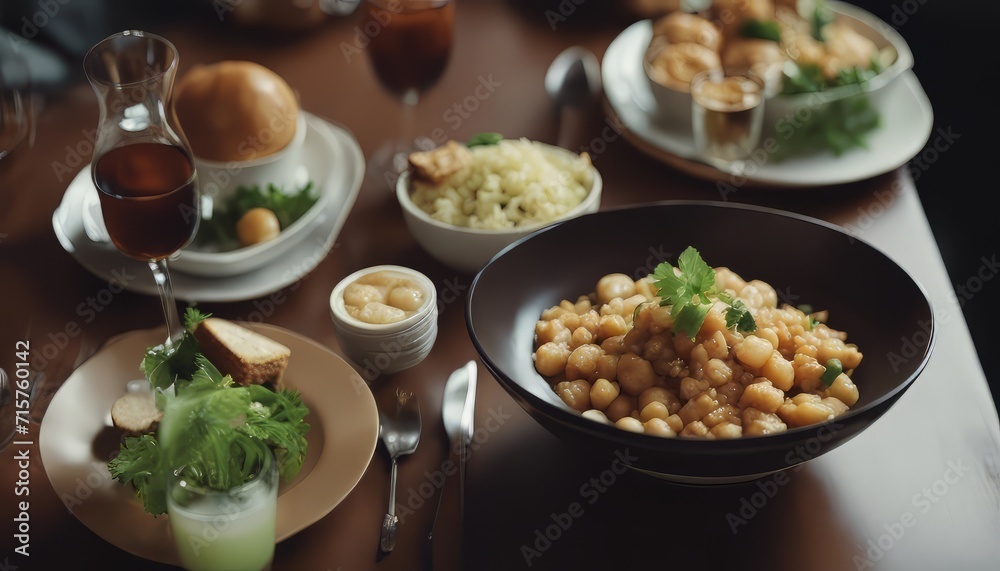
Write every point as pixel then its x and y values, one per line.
pixel 838 127
pixel 141 462
pixel 288 207
pixel 738 315
pixel 480 139
pixel 160 368
pixel 687 293
pixel 689 290
pixel 696 279
pixel 833 369
pixel 762 29
pixel 821 16
pixel 690 318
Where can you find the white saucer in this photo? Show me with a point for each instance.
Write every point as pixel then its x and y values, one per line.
pixel 339 165
pixel 906 126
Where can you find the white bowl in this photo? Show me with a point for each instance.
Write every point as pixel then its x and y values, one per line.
pixel 377 349
pixel 308 159
pixel 469 249
pixel 673 102
pixel 219 180
pixel 795 107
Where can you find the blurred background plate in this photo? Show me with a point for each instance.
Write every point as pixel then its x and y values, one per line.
pixel 906 123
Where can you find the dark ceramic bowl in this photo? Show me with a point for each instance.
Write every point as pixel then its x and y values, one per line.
pixel 808 261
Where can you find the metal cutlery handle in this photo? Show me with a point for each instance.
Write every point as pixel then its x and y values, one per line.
pixel 387 540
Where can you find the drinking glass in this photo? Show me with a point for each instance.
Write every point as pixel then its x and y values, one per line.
pixel 16 101
pixel 409 49
pixel 226 529
pixel 727 114
pixel 143 167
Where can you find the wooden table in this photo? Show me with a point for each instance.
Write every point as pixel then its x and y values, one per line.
pixel 920 489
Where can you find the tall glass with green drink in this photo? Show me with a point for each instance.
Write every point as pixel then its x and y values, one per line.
pixel 234 529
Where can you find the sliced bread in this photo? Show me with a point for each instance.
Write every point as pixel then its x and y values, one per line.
pixel 249 357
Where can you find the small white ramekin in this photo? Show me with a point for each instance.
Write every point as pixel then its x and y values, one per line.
pixel 377 349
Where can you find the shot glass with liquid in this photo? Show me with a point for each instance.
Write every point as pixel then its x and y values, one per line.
pixel 727 114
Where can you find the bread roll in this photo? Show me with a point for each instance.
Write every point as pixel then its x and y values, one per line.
pixel 235 111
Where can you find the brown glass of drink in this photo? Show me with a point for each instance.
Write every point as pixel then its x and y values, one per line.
pixel 142 166
pixel 727 113
pixel 410 45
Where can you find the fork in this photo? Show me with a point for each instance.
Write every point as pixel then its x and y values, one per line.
pixel 400 435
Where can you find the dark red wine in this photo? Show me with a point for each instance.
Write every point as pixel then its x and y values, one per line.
pixel 410 42
pixel 148 194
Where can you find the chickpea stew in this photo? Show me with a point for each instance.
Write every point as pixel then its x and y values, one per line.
pixel 619 355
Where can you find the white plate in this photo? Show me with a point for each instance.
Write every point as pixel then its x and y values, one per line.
pixel 76 439
pixel 338 163
pixel 906 126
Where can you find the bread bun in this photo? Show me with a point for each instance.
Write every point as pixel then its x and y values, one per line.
pixel 235 111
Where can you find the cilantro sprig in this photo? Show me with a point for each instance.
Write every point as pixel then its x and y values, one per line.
pixel 689 290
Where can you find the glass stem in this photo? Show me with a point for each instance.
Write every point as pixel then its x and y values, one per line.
pixel 175 332
pixel 408 126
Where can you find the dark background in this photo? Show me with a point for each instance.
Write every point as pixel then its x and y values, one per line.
pixel 955 50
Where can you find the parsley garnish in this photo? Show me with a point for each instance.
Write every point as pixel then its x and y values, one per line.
pixel 484 139
pixel 689 288
pixel 738 315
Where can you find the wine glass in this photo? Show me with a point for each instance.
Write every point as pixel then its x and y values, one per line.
pixel 16 101
pixel 143 167
pixel 410 45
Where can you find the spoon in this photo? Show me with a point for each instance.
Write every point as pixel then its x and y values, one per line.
pixel 400 435
pixel 573 82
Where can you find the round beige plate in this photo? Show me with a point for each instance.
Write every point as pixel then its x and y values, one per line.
pixel 77 439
